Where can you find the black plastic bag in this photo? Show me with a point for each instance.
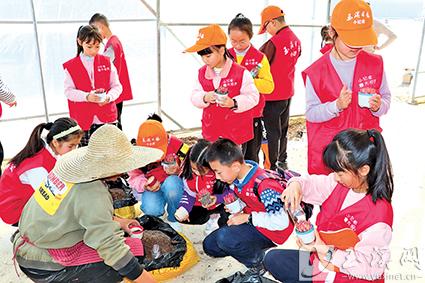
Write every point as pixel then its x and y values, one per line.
pixel 247 277
pixel 172 259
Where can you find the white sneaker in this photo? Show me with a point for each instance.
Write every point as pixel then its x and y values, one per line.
pixel 176 226
pixel 212 224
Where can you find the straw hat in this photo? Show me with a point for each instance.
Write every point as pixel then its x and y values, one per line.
pixel 108 153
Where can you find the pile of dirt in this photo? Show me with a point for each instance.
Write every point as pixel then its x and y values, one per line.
pixel 296 128
pixel 152 237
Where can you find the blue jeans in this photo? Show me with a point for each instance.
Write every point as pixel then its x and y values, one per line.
pixel 243 242
pixel 170 193
pixel 289 266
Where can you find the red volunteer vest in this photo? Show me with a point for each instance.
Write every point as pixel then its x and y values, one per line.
pixel 220 121
pixel 252 58
pixel 1 110
pixel 357 217
pixel 327 85
pixel 198 183
pixel 252 202
pixel 326 48
pixel 288 49
pixel 121 65
pixel 84 112
pixel 13 193
pixel 157 170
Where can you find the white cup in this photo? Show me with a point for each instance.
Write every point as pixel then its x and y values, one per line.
pixel 181 213
pixel 308 236
pixel 235 206
pixel 136 232
pixel 221 97
pixel 102 96
pixel 364 99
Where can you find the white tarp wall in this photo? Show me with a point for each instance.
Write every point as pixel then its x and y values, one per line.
pixel 135 23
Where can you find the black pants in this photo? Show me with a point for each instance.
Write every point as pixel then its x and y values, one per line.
pixel 92 272
pixel 1 156
pixel 289 266
pixel 252 148
pixel 276 121
pixel 119 112
pixel 199 215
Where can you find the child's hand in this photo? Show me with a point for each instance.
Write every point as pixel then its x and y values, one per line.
pixel 238 219
pixel 172 170
pixel 375 102
pixel 108 98
pixel 227 103
pixel 153 188
pixel 344 98
pixel 292 196
pixel 92 97
pixel 210 97
pixel 14 103
pixel 212 203
pixel 181 215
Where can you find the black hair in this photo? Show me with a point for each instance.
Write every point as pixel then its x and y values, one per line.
pixel 35 142
pixel 210 49
pixel 280 19
pixel 225 151
pixel 351 149
pixel 324 33
pixel 98 17
pixel 87 34
pixel 196 154
pixel 154 117
pixel 241 23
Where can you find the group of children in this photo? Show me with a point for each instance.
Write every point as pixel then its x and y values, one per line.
pixel 196 184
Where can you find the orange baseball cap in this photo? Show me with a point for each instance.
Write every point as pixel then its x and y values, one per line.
pixel 152 134
pixel 269 13
pixel 209 36
pixel 353 21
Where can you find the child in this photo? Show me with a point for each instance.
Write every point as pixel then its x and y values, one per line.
pixel 282 50
pixel 31 165
pixel 115 51
pixel 357 198
pixel 91 84
pixel 158 182
pixel 224 90
pixel 198 178
pixel 263 222
pixel 9 98
pixel 240 33
pixel 336 80
pixel 326 43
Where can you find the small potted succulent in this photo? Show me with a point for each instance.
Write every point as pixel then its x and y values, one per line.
pixel 233 203
pixel 205 197
pixel 305 231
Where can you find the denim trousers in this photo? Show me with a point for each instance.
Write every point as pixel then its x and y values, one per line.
pixel 169 194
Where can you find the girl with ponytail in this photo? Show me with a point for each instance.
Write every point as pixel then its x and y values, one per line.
pixel 31 165
pixel 355 207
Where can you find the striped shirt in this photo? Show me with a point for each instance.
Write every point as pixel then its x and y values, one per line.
pixel 6 95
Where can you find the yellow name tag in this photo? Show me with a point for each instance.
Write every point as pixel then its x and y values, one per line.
pixel 51 193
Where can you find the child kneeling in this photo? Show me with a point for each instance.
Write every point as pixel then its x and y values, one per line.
pixel 262 224
pixel 203 195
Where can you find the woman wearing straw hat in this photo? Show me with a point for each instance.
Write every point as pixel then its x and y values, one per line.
pixel 346 87
pixel 67 232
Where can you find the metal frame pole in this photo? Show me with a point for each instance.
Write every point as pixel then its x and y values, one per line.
pixel 412 100
pixel 46 113
pixel 328 15
pixel 158 49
